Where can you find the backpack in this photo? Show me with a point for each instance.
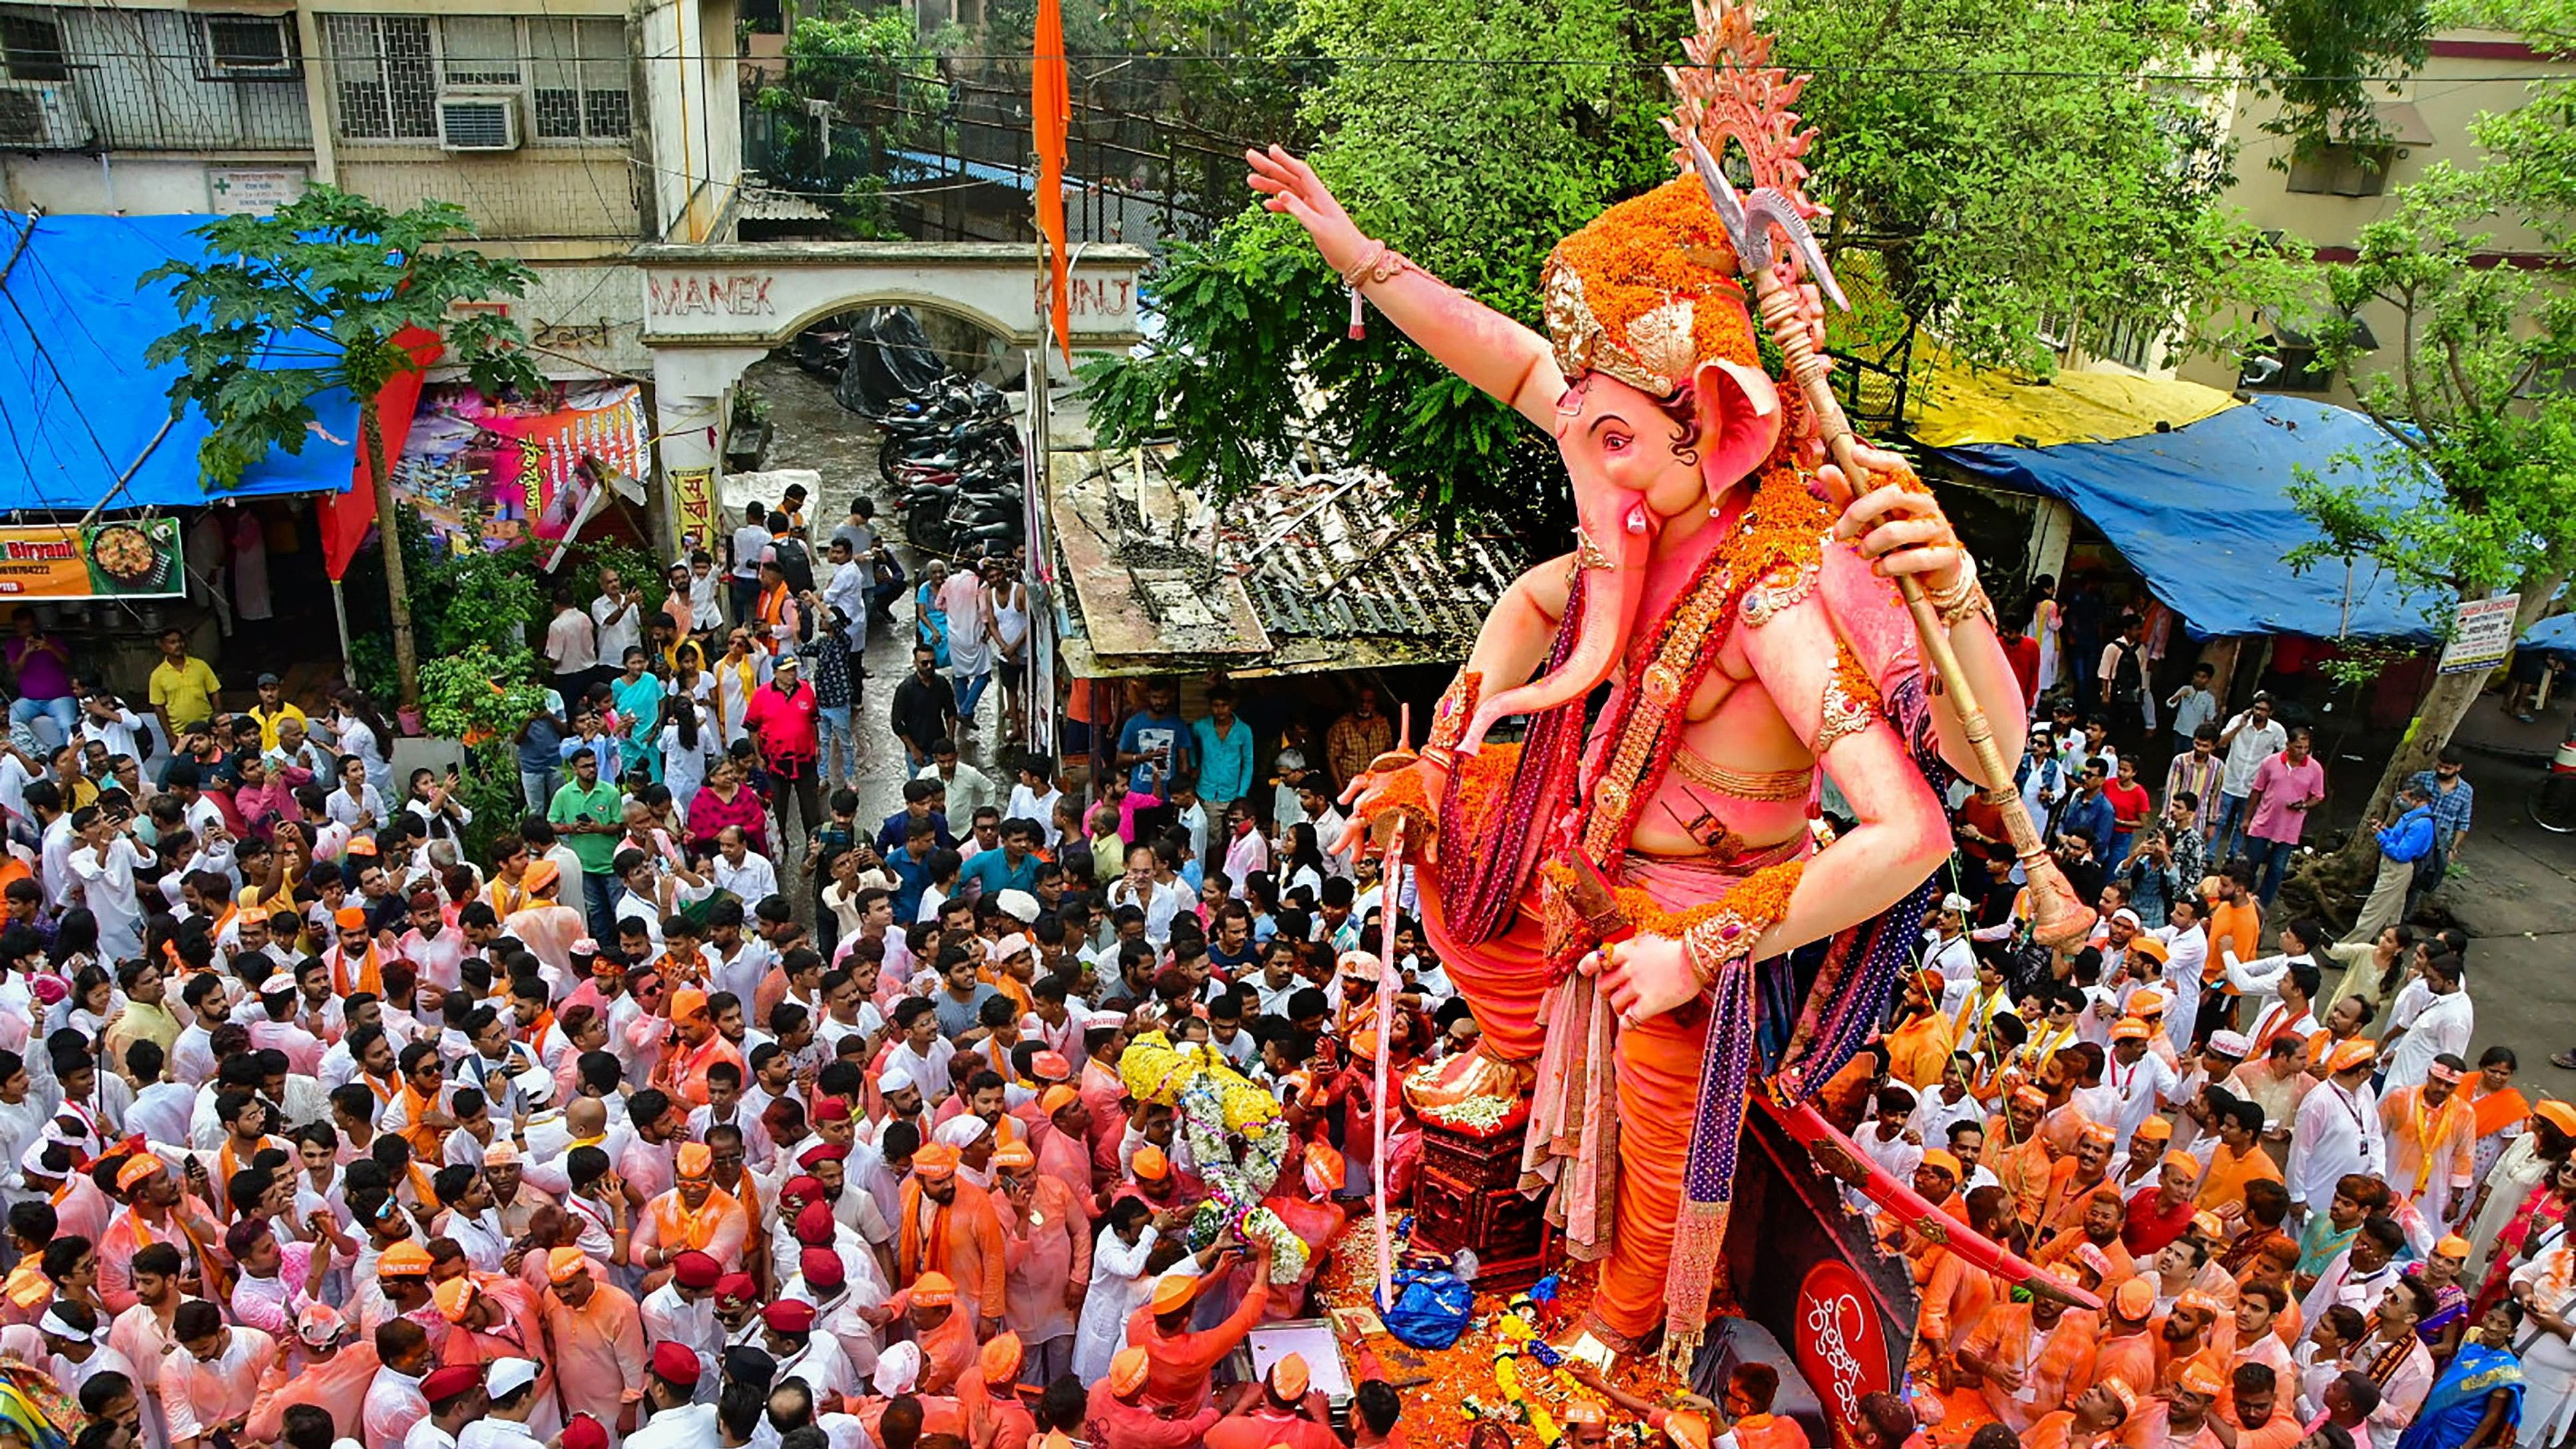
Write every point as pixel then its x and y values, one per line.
pixel 794 563
pixel 2128 682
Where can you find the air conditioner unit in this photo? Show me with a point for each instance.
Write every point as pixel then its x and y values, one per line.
pixel 484 122
pixel 41 116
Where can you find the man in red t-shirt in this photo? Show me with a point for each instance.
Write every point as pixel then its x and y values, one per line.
pixel 2129 809
pixel 781 720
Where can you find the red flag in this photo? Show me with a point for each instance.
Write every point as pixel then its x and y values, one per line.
pixel 346 517
pixel 1050 114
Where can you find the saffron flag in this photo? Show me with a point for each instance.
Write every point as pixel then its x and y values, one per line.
pixel 1050 114
pixel 346 517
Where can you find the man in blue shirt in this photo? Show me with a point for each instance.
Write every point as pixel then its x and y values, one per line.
pixel 2088 810
pixel 2452 798
pixel 1224 746
pixel 1154 744
pixel 2403 845
pixel 911 867
pixel 917 795
pixel 1012 867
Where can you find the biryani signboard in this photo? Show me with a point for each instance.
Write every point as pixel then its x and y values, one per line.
pixel 123 559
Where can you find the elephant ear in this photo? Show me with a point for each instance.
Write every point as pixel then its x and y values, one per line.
pixel 1739 420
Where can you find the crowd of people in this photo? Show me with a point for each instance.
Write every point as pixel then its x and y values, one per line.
pixel 691 1109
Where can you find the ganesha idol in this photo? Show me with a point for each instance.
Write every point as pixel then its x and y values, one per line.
pixel 1636 907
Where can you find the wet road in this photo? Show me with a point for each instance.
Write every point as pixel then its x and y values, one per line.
pixel 811 430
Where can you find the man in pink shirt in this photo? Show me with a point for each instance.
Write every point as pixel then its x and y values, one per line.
pixel 1046 1256
pixel 1063 1142
pixel 2286 787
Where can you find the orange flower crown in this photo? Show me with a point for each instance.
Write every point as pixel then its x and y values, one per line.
pixel 1647 291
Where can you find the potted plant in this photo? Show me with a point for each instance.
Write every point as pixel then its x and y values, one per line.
pixel 747 431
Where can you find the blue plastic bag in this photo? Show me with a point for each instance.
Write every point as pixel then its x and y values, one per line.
pixel 1431 1308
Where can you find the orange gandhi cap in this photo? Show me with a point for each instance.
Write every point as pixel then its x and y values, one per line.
pixel 934 1289
pixel 1127 1371
pixel 693 1160
pixel 1173 1292
pixel 1000 1359
pixel 2134 1301
pixel 1289 1377
pixel 403 1260
pixel 1150 1164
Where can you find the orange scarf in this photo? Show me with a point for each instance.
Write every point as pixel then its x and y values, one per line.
pixel 674 1223
pixel 2498 1110
pixel 369 979
pixel 426 1141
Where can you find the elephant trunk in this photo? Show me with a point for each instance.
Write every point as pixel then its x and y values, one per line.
pixel 1623 529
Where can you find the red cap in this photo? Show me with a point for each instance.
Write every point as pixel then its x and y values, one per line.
pixel 740 1287
pixel 446 1383
pixel 585 1432
pixel 822 1268
pixel 675 1364
pixel 694 1270
pixel 787 1315
pixel 814 1224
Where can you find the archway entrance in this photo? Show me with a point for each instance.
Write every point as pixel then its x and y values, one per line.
pixel 711 311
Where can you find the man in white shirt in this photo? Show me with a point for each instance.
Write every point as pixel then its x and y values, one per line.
pixel 2360 1275
pixel 680 1320
pixel 2249 739
pixel 2443 1024
pixel 2142 1079
pixel 750 877
pixel 455 1397
pixel 2337 1132
pixel 1949 951
pixel 619 617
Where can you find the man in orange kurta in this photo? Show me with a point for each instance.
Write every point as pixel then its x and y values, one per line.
pixel 945 1335
pixel 2432 1140
pixel 2072 1179
pixel 2018 1156
pixel 2125 1352
pixel 2238 1159
pixel 2029 1358
pixel 1918 1051
pixel 948 1226
pixel 490 1317
pixel 598 1338
pixel 694 1214
pixel 1960 1295
pixel 1179 1359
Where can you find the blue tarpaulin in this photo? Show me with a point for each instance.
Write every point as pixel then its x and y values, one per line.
pixel 2204 514
pixel 80 409
pixel 2553 635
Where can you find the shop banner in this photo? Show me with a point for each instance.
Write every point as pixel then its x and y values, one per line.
pixel 125 559
pixel 518 471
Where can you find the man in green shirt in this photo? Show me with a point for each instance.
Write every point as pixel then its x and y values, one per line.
pixel 588 813
pixel 183 689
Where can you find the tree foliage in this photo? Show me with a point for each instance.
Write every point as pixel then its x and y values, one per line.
pixel 1993 161
pixel 289 306
pixel 2329 51
pixel 2475 492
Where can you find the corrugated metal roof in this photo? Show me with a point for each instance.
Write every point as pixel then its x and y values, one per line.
pixel 762 204
pixel 1338 572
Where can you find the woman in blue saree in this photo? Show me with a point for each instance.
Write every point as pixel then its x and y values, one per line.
pixel 2477 1401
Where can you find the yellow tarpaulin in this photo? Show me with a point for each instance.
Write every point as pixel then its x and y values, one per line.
pixel 1958 407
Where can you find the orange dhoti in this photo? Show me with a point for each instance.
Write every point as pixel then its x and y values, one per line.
pixel 1506 982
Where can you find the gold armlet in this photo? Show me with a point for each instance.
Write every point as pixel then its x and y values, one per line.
pixel 1449 717
pixel 1381 263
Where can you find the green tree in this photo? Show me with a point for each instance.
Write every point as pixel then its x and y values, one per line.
pixel 311 299
pixel 2475 493
pixel 1992 161
pixel 2328 48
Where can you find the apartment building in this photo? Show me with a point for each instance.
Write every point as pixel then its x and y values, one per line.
pixel 571 130
pixel 2327 196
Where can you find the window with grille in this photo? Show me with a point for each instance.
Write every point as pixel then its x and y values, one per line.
pixel 579 79
pixel 478 52
pixel 31 49
pixel 572 76
pixel 384 79
pixel 246 47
